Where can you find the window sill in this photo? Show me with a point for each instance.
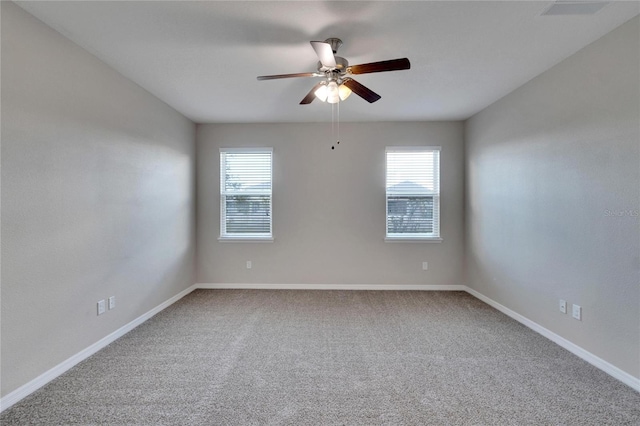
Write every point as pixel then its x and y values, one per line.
pixel 245 239
pixel 412 240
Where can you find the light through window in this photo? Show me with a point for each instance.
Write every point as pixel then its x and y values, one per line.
pixel 245 193
pixel 413 192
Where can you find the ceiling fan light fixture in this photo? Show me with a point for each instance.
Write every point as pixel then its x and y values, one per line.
pixel 343 92
pixel 333 93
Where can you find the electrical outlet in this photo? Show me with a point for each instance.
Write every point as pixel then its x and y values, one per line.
pixel 248 264
pixel 101 307
pixel 425 266
pixel 563 306
pixel 112 302
pixel 577 312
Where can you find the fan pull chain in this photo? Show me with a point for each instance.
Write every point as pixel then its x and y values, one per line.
pixel 338 139
pixel 337 125
pixel 332 126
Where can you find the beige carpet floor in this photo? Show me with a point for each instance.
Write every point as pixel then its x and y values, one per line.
pixel 280 357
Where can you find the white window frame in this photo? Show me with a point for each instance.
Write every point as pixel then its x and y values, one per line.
pixel 435 236
pixel 244 237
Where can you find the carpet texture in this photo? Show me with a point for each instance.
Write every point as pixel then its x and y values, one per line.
pixel 280 357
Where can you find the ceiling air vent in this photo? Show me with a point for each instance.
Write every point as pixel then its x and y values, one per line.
pixel 567 7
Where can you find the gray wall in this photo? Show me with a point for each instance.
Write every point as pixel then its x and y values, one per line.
pixel 97 199
pixel 553 172
pixel 329 206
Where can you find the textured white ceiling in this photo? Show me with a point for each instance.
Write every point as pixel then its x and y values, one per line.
pixel 202 58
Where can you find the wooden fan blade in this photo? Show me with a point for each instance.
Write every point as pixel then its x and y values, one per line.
pixel 362 91
pixel 382 66
pixel 301 74
pixel 325 53
pixel 311 95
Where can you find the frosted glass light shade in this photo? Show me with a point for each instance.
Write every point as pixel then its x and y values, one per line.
pixel 321 93
pixel 343 92
pixel 333 95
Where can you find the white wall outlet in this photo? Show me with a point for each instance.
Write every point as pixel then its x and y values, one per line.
pixel 112 302
pixel 101 307
pixel 577 312
pixel 563 306
pixel 425 266
pixel 249 264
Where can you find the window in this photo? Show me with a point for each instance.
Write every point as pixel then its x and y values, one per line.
pixel 245 194
pixel 413 193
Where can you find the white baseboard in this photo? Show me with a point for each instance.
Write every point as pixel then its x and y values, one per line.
pixel 592 359
pixel 35 384
pixel 421 287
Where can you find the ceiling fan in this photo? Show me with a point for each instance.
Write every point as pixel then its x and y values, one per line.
pixel 336 71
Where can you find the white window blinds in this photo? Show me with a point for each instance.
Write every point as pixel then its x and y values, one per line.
pixel 245 193
pixel 413 192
